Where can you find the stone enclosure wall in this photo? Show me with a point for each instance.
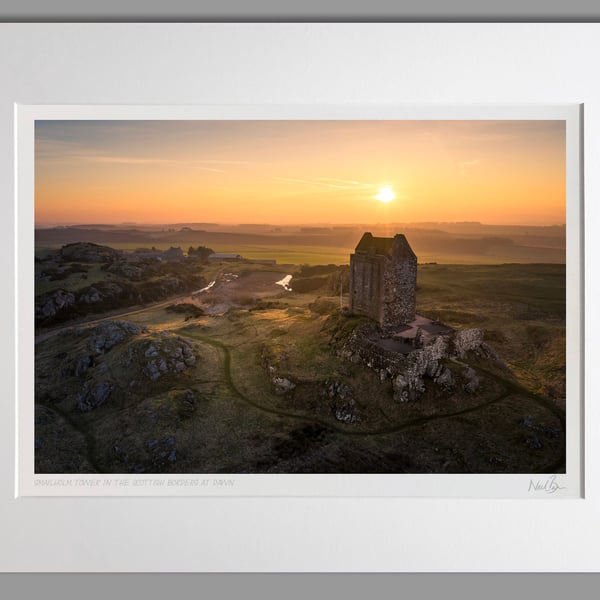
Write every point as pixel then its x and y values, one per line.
pixel 408 372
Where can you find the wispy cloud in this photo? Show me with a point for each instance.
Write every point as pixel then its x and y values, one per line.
pixel 168 162
pixel 340 181
pixel 56 149
pixel 470 163
pixel 65 151
pixel 208 169
pixel 352 186
pixel 126 160
pixel 464 166
pixel 219 161
pixel 328 182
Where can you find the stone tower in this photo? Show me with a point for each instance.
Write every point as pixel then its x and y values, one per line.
pixel 383 280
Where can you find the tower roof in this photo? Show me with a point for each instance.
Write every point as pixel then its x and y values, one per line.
pixel 397 246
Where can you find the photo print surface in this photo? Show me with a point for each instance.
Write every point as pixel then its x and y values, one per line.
pixel 300 296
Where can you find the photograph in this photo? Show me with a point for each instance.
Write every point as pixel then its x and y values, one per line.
pixel 300 296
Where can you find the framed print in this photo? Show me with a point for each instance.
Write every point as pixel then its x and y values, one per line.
pixel 257 330
pixel 255 299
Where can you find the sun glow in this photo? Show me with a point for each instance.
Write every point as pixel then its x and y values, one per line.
pixel 299 172
pixel 386 194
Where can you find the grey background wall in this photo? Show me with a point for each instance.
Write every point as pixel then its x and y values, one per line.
pixel 308 10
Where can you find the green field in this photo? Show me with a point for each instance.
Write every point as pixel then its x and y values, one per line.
pixel 319 254
pixel 311 255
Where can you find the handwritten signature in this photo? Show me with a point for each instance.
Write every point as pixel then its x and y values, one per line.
pixel 550 486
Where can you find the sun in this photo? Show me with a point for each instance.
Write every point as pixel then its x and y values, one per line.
pixel 386 194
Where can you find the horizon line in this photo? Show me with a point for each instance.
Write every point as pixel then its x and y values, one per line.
pixel 52 225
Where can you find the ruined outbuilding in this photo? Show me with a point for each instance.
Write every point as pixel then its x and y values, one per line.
pixel 383 280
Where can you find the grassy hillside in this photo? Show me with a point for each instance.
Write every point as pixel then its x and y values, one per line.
pixel 521 308
pixel 267 393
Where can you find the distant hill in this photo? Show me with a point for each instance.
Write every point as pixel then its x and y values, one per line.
pixel 501 243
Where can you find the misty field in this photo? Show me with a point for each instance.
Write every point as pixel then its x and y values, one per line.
pixel 447 243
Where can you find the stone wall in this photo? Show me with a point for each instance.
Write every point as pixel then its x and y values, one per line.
pixel 409 371
pixel 399 299
pixel 366 273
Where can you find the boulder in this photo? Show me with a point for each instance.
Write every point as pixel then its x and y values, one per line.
pixel 168 353
pixel 467 340
pixel 82 364
pixel 110 333
pixel 92 396
pixel 162 451
pixel 90 296
pixel 127 270
pixel 47 305
pixel 338 389
pixel 445 378
pixel 345 411
pixel 400 387
pixel 282 385
pixel 472 384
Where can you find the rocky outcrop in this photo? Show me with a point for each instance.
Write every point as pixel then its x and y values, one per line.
pixel 345 411
pixel 467 340
pixel 110 333
pixel 47 305
pixel 93 395
pixel 421 363
pixel 343 404
pixel 445 379
pixel 90 296
pixel 100 293
pixel 127 270
pixel 156 455
pixel 275 360
pixel 87 252
pixel 472 384
pixel 162 451
pixel 117 357
pixel 165 354
pixel 157 354
pixel 170 284
pixel 61 303
pixel 111 285
pixel 282 385
pixel 336 395
pixel 82 364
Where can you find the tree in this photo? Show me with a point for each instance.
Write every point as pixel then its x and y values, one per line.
pixel 201 252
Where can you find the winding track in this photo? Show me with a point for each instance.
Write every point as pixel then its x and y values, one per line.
pixel 510 388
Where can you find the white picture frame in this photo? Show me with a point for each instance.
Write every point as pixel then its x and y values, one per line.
pixel 424 531
pixel 521 485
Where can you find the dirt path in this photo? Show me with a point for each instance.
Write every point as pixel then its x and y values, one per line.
pixel 259 284
pixel 510 388
pixel 110 316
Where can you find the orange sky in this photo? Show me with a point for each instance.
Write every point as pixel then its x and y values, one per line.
pixel 286 172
